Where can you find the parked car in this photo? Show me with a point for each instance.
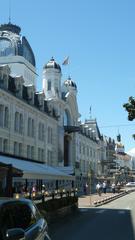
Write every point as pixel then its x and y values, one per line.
pixel 130 184
pixel 21 220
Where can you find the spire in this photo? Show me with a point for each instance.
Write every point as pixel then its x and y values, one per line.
pixel 90 112
pixel 9 11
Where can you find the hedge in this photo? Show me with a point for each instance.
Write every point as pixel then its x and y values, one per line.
pixel 55 204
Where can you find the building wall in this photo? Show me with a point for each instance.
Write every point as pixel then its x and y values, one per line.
pixel 46 143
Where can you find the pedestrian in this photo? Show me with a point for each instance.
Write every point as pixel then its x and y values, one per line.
pixel 113 187
pixel 104 187
pixel 118 187
pixel 98 188
pixel 84 189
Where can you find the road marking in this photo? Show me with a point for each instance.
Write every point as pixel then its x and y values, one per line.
pixel 83 209
pixel 101 211
pixel 121 212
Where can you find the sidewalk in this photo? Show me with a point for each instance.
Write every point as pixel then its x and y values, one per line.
pixel 94 199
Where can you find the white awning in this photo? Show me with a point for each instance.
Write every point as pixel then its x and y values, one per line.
pixel 33 170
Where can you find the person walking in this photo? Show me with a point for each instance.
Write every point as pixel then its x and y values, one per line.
pixel 104 187
pixel 98 188
pixel 113 187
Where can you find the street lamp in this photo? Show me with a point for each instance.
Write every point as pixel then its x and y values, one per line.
pixel 89 176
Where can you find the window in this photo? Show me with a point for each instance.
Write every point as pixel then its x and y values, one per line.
pixel 49 157
pixel 28 152
pixel 49 85
pixel 29 126
pixel 1 115
pixel 6 48
pixel 42 155
pixel 5 145
pixel 16 124
pixel 21 124
pixel 32 152
pixel 0 144
pixel 17 215
pixel 20 149
pixel 15 148
pixel 6 117
pixel 41 131
pixel 30 130
pixel 49 135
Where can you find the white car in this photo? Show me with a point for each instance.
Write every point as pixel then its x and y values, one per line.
pixel 130 184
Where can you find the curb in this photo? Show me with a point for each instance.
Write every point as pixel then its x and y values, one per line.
pixel 111 198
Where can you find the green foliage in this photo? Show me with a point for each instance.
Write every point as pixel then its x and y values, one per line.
pixel 55 204
pixel 130 108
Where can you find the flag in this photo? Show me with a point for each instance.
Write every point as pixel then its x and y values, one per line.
pixel 66 61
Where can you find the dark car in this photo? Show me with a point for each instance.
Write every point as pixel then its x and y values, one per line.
pixel 21 220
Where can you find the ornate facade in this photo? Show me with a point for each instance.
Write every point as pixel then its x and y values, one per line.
pixel 44 126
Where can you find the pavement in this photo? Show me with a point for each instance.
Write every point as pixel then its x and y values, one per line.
pixel 94 200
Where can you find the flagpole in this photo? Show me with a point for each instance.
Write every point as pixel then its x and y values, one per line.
pixel 67 63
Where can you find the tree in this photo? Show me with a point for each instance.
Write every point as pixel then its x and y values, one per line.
pixel 130 108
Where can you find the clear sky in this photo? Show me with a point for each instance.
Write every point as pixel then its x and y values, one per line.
pixel 99 38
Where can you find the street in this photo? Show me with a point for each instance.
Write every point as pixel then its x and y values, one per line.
pixel 115 220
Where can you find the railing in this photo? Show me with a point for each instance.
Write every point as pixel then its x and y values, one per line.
pixel 46 195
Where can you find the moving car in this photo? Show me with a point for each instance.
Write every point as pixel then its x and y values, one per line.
pixel 21 220
pixel 130 184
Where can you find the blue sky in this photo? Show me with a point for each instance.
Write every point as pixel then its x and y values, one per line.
pixel 99 38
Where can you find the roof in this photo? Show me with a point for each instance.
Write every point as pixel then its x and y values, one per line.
pixel 52 65
pixel 34 170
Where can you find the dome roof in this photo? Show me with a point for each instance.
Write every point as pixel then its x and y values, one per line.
pixel 10 27
pixel 70 83
pixel 52 64
pixel 13 44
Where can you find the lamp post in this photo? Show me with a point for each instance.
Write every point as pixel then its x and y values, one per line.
pixel 89 176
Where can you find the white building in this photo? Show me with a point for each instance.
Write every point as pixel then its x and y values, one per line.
pixel 43 127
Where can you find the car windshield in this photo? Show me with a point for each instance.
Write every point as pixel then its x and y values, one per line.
pixel 14 215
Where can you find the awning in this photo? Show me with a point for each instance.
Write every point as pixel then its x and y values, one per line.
pixel 33 170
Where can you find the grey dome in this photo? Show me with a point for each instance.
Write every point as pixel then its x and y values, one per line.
pixel 12 44
pixel 52 65
pixel 70 83
pixel 10 27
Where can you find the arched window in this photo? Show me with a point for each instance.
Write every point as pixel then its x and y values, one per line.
pixel 6 118
pixel 66 118
pixel 1 115
pixel 6 48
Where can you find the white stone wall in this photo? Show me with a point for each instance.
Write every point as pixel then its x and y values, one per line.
pixel 20 67
pixel 16 105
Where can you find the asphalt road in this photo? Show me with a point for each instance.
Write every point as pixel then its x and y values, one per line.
pixel 113 221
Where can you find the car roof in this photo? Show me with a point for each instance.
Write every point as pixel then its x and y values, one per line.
pixel 131 183
pixel 7 199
